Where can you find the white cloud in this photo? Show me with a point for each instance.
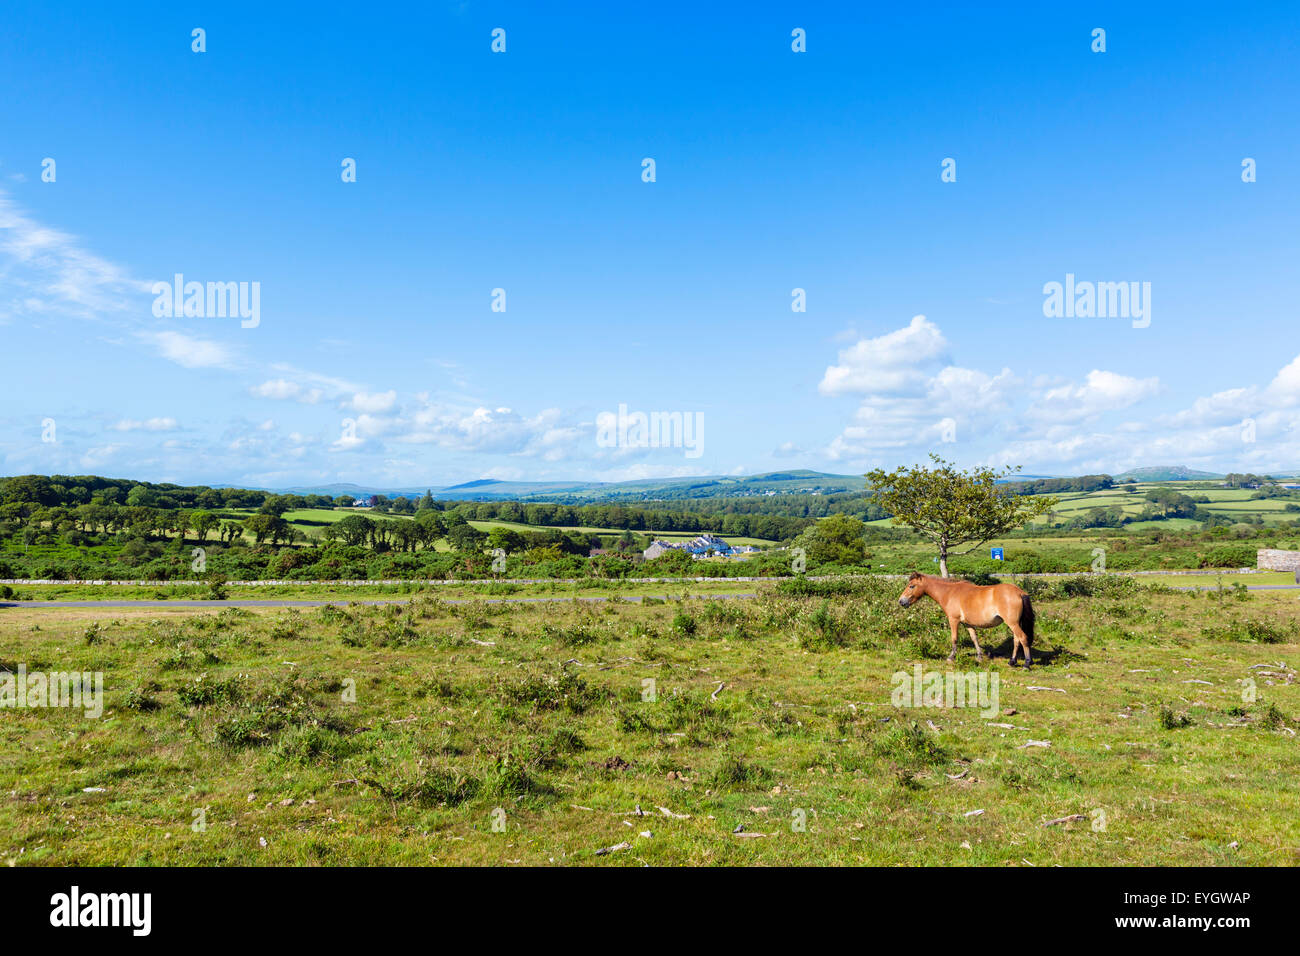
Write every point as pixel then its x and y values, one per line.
pixel 487 430
pixel 189 351
pixel 277 388
pixel 915 401
pixel 1285 387
pixel 101 455
pixel 962 390
pixel 643 470
pixel 1100 392
pixel 150 425
pixel 373 402
pixel 911 395
pixel 889 363
pixel 1221 408
pixel 47 272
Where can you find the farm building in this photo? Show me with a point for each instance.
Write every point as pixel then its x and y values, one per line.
pixel 1270 559
pixel 706 545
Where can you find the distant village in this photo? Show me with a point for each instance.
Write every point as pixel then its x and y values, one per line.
pixel 705 546
pixel 699 548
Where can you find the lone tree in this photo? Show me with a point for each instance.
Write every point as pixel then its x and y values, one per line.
pixel 954 508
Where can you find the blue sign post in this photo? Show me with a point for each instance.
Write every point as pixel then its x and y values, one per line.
pixel 996 553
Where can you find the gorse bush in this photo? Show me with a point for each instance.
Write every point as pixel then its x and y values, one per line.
pixel 259 718
pixel 429 787
pixel 910 745
pixel 1253 632
pixel 562 691
pixel 571 636
pixel 684 624
pixel 311 744
pixel 802 586
pixel 204 692
pixel 1080 586
pixel 824 629
pixel 511 775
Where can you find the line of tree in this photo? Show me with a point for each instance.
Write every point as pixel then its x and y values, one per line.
pixel 621 517
pixel 73 490
pixel 112 504
pixel 1057 486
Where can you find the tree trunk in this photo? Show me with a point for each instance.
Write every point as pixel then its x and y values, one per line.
pixel 943 561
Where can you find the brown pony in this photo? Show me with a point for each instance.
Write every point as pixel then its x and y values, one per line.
pixel 975 606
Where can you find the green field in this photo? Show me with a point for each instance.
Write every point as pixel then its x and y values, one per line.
pixel 666 535
pixel 401 735
pixel 1231 502
pixel 308 519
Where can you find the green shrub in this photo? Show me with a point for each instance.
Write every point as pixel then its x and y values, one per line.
pixel 1168 720
pixel 732 773
pixel 1252 631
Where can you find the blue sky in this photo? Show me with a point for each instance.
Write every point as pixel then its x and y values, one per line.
pixel 522 171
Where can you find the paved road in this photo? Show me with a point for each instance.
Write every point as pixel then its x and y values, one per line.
pixel 636 599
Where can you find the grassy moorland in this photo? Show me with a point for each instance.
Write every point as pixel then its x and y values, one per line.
pixel 403 734
pixel 675 587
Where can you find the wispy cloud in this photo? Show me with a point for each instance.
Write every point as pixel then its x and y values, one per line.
pixel 149 425
pixel 190 351
pixel 48 273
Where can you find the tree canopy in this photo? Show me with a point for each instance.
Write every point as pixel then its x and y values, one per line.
pixel 954 508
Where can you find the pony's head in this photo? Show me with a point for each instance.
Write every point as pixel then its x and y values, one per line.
pixel 912 593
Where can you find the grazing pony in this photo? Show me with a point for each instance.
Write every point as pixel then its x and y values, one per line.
pixel 975 605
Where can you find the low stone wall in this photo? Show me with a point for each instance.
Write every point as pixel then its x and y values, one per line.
pixel 1270 559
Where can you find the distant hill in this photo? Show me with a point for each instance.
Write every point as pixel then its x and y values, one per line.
pixel 1166 473
pixel 646 489
pixel 493 488
pixel 333 490
pixel 797 481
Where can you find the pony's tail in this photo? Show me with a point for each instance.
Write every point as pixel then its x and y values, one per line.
pixel 1027 619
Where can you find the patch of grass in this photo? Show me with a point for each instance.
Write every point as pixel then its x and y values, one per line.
pixel 910 745
pixel 1252 631
pixel 204 691
pixel 824 630
pixel 564 691
pixel 733 773
pixel 140 700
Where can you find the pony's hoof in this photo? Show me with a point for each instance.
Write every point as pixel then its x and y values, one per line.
pixel 951 658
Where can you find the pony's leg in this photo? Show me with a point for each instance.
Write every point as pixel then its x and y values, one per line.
pixel 955 625
pixel 1022 642
pixel 979 653
pixel 1015 645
